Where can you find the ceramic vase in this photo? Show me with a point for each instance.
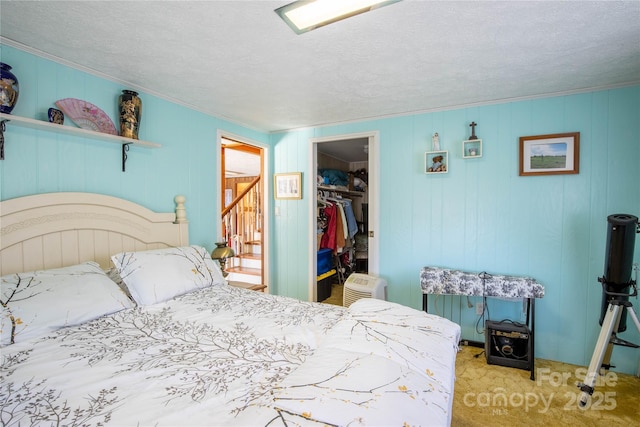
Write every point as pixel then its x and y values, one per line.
pixel 55 116
pixel 130 107
pixel 9 89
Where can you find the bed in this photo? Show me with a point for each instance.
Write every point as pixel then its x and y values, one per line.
pixel 110 317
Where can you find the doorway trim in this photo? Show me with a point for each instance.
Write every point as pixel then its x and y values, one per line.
pixel 266 234
pixel 374 202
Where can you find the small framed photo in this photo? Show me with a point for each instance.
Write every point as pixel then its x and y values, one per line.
pixel 436 162
pixel 288 185
pixel 550 154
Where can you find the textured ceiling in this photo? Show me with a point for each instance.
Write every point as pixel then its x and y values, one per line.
pixel 237 60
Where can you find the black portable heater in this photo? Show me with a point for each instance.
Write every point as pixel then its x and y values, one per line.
pixel 508 344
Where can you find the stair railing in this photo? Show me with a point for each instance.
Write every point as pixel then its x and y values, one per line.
pixel 243 217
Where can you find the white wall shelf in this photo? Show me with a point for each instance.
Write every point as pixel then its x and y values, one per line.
pixel 436 162
pixel 339 190
pixel 472 149
pixel 74 131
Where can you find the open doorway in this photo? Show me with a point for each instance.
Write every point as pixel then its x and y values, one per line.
pixel 242 214
pixel 346 169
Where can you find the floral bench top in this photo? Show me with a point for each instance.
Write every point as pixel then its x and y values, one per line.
pixel 437 280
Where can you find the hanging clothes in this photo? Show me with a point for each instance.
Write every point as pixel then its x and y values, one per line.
pixel 340 229
pixel 329 237
pixel 322 222
pixel 352 224
pixel 343 218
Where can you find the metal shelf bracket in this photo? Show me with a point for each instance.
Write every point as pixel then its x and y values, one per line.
pixel 125 149
pixel 2 128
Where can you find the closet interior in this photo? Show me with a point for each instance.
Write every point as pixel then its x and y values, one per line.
pixel 342 213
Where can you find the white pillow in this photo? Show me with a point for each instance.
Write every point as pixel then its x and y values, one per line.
pixel 40 302
pixel 158 275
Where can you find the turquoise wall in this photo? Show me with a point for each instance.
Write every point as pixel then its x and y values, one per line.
pixel 479 216
pixel 290 229
pixel 41 162
pixel 482 216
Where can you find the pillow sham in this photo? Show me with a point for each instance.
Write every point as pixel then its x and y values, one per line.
pixel 39 302
pixel 158 275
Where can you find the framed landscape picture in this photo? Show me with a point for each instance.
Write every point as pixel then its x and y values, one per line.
pixel 553 154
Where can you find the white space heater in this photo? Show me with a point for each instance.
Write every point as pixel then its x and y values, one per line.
pixel 360 285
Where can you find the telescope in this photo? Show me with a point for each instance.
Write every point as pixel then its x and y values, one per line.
pixel 617 287
pixel 618 262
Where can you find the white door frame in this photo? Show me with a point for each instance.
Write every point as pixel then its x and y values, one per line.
pixel 373 188
pixel 266 233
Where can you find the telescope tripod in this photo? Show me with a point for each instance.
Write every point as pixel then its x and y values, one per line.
pixel 604 346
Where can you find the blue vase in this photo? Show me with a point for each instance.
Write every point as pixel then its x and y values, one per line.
pixel 55 116
pixel 8 89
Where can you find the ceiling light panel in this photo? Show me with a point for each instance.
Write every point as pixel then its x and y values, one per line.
pixel 307 15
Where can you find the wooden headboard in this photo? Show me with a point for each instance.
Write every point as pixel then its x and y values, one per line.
pixel 59 229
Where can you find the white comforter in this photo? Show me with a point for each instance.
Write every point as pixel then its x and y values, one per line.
pixel 226 356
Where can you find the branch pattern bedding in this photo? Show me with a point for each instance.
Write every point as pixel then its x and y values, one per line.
pixel 188 349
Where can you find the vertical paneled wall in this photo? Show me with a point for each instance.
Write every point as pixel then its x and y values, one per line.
pixel 482 216
pixel 289 240
pixel 40 161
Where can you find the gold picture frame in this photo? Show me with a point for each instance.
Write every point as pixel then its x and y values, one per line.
pixel 554 154
pixel 287 186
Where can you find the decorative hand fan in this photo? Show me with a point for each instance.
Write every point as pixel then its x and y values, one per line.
pixel 86 115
